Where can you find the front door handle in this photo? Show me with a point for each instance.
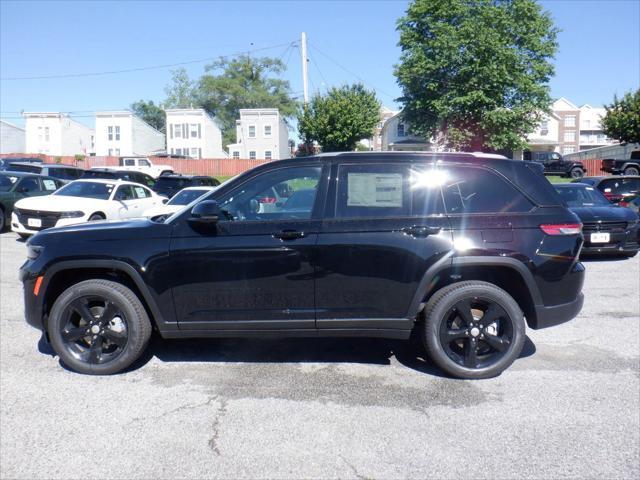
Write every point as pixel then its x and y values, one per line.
pixel 421 230
pixel 289 234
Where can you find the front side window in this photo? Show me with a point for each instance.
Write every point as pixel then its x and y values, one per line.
pixel 475 190
pixel 283 194
pixel 28 185
pixel 144 162
pixel 388 190
pixel 130 162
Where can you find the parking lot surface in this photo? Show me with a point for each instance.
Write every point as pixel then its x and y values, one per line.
pixel 329 408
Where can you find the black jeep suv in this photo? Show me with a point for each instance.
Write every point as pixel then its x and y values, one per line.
pixel 554 164
pixel 462 247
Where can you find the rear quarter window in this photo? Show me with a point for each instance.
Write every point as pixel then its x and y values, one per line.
pixel 476 190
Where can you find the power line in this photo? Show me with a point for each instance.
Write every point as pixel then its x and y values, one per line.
pixel 140 69
pixel 350 71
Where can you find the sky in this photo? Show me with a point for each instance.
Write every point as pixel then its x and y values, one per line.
pixel 349 41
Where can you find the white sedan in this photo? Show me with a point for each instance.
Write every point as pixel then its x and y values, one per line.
pixel 178 201
pixel 83 201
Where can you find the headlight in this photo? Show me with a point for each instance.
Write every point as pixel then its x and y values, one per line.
pixel 75 214
pixel 16 211
pixel 34 251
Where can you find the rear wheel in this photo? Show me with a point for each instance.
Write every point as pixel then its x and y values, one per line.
pixel 98 327
pixel 96 216
pixel 632 171
pixel 24 236
pixel 576 173
pixel 473 329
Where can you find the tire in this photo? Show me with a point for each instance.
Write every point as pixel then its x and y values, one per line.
pixel 24 236
pixel 576 173
pixel 632 171
pixel 95 217
pixel 443 320
pixel 631 254
pixel 93 346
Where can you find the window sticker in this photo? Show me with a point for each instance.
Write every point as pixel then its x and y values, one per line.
pixel 49 184
pixel 374 190
pixel 140 192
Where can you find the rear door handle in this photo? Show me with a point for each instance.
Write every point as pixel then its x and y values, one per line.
pixel 289 234
pixel 421 230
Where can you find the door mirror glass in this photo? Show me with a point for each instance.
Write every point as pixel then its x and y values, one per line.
pixel 206 212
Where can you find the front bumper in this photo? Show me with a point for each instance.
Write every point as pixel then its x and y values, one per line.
pixel 18 227
pixel 32 303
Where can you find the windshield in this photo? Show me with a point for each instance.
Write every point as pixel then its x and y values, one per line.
pixel 6 182
pixel 187 196
pixel 172 183
pixel 35 168
pixel 582 197
pixel 98 191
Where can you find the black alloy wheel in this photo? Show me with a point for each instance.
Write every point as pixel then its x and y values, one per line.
pixel 94 329
pixel 476 332
pixel 98 327
pixel 473 329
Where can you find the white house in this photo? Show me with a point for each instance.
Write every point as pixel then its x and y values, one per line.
pixel 120 133
pixel 192 132
pixel 12 138
pixel 261 133
pixel 396 136
pixel 54 133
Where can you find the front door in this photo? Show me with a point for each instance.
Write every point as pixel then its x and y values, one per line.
pixel 385 227
pixel 254 268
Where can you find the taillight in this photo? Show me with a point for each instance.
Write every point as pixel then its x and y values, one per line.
pixel 613 198
pixel 267 200
pixel 561 228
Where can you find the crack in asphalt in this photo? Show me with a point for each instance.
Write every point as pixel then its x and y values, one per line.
pixel 175 410
pixel 213 441
pixel 354 470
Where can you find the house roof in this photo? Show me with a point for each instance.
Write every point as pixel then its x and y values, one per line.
pixel 11 125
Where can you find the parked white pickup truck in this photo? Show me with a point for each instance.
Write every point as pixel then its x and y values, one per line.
pixel 143 164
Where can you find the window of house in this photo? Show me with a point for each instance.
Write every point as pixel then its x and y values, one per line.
pixel 584 138
pixel 570 136
pixel 267 130
pixel 110 134
pixel 401 132
pixel 267 155
pixel 117 132
pixel 475 190
pixel 252 154
pixel 587 123
pixel 252 131
pixel 110 152
pixel 570 121
pixel 568 149
pixel 177 130
pixel 46 134
pixel 194 130
pixel 602 138
pixel 236 154
pixel 194 153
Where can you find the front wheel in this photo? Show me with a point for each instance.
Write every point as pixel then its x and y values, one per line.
pixel 95 217
pixel 576 173
pixel 473 329
pixel 632 171
pixel 98 327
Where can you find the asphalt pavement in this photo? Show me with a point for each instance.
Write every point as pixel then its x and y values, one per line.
pixel 329 408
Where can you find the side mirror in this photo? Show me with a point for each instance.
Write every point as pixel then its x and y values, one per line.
pixel 205 213
pixel 165 200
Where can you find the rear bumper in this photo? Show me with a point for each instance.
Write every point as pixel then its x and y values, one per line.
pixel 557 314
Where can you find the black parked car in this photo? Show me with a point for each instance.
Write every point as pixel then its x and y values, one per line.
pixel 608 228
pixel 169 185
pixel 617 189
pixel 129 175
pixel 66 173
pixel 630 166
pixel 462 248
pixel 555 164
pixel 5 162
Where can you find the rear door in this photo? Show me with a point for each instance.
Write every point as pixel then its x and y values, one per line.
pixel 384 227
pixel 129 205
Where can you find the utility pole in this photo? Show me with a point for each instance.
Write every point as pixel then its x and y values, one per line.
pixel 303 50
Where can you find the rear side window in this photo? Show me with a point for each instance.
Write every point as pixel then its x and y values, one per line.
pixel 141 192
pixel 475 190
pixel 50 185
pixel 125 192
pixel 386 190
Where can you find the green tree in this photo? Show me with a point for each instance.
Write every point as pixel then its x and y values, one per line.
pixel 181 91
pixel 150 112
pixel 339 119
pixel 474 73
pixel 622 120
pixel 243 82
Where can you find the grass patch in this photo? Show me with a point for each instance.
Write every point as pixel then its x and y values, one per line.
pixel 557 179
